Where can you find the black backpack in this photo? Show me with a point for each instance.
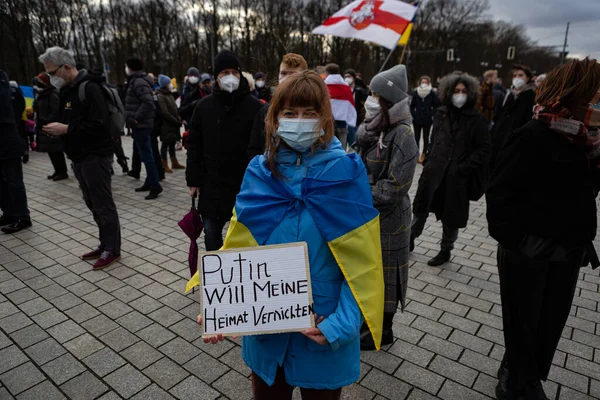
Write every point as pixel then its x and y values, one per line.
pixel 116 111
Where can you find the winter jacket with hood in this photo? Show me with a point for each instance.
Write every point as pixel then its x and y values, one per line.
pixel 170 123
pixel 460 147
pixel 47 110
pixel 219 132
pixel 139 101
pixel 88 133
pixel 10 142
pixel 423 109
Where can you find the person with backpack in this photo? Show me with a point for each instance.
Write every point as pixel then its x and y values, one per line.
pixel 170 123
pixel 140 113
pixel 87 110
pixel 18 105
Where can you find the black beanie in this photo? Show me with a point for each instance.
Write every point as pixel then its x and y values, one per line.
pixel 350 72
pixel 226 60
pixel 135 64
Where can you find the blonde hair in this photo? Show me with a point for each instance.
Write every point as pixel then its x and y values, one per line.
pixel 489 73
pixel 250 79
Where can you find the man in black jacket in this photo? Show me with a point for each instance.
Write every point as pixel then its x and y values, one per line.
pixel 88 144
pixel 218 139
pixel 13 198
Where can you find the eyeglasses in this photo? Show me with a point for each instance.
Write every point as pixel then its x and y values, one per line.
pixel 55 71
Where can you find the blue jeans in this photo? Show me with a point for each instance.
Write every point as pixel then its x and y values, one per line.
pixel 351 135
pixel 141 140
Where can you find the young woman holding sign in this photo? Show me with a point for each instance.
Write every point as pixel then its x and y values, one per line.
pixel 307 189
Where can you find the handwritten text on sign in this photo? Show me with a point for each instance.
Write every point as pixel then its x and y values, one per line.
pixel 256 290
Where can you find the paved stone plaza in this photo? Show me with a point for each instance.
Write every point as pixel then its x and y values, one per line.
pixel 129 331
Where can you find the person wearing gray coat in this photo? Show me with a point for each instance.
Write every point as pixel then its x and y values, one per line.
pixel 388 148
pixel 170 123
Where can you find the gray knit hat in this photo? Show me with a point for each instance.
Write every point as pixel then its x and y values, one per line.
pixel 392 84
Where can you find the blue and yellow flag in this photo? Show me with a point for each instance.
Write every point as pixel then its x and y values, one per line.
pixel 339 200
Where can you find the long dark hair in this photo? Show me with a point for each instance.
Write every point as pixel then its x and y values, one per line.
pixel 384 124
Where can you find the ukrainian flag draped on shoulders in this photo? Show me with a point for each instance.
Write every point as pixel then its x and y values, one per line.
pixel 338 197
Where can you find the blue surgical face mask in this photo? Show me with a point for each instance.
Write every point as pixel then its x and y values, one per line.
pixel 299 133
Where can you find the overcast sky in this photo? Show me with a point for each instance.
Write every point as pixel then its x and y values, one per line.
pixel 546 22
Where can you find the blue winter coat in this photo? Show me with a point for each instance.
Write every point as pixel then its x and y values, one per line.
pixel 306 363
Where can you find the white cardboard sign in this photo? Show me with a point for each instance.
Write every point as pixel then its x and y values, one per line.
pixel 256 290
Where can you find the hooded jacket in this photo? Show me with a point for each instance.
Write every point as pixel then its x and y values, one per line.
pixel 139 101
pixel 170 122
pixel 219 132
pixel 87 133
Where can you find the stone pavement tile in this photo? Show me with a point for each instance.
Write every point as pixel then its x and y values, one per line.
pixel 487 385
pixel 453 370
pixel 583 367
pixel 206 368
pixel 82 288
pixel 419 377
pixel 49 318
pixel 66 331
pixel 165 277
pixel 98 298
pixel 4 341
pixel 156 393
pixel 187 329
pixel 63 368
pixel 134 321
pixel 55 271
pixel 156 290
pixel 45 351
pixel 110 284
pixel 577 349
pixel 417 394
pixel 234 359
pixel 234 386
pixel 176 301
pixel 194 389
pixel 440 346
pixel 11 285
pixel 419 296
pixel 410 352
pixel 52 291
pixel 451 307
pixel 166 316
pixel 191 311
pixel 21 378
pixel 581 324
pixel 434 328
pixel 148 269
pixel 471 342
pixel 127 381
pixel 82 313
pixel 104 361
pixel 84 386
pixel 569 394
pixel 35 306
pixel 440 292
pixel 454 391
pixel 474 302
pixel 480 362
pixel 83 346
pixel 166 373
pixel 115 309
pixel 424 310
pixel 385 385
pixel 15 322
pixel 67 279
pixel 39 282
pixel 11 357
pixel 145 304
pixel 127 294
pixel 66 301
pixel 491 334
pixel 120 272
pixel 460 323
pixel 569 378
pixel 6 309
pixel 44 391
pixel 595 389
pixel 155 335
pixel 119 339
pixel 94 276
pixel 99 325
pixel 138 281
pixel 586 338
pixel 141 355
pixel 179 350
pixel 380 359
pixel 22 295
pixel 356 392
pixel 29 336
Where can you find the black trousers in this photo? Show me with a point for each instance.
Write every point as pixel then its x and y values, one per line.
pixel 426 129
pixel 213 232
pixel 136 162
pixel 118 149
pixel 13 197
pixel 94 177
pixel 536 297
pixel 57 158
pixel 167 147
pixel 449 235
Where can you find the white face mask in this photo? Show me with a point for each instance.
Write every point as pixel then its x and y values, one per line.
pixel 193 80
pixel 170 87
pixel 425 86
pixel 459 100
pixel 127 71
pixel 372 106
pixel 299 133
pixel 260 84
pixel 229 83
pixel 57 82
pixel 349 81
pixel 518 83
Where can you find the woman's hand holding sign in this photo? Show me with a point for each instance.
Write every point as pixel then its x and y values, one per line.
pixel 315 334
pixel 214 339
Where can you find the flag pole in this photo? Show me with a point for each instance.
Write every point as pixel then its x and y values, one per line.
pixel 388 57
pixel 403 53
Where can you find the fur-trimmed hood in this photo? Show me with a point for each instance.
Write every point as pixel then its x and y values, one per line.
pixel 448 84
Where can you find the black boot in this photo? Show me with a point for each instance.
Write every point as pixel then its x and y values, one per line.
pixel 134 175
pixel 412 244
pixel 143 188
pixel 153 194
pixel 123 164
pixel 502 387
pixel 442 258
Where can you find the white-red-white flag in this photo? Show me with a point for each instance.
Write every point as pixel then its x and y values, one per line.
pixel 379 21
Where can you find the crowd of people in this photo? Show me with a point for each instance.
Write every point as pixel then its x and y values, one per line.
pixel 319 157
